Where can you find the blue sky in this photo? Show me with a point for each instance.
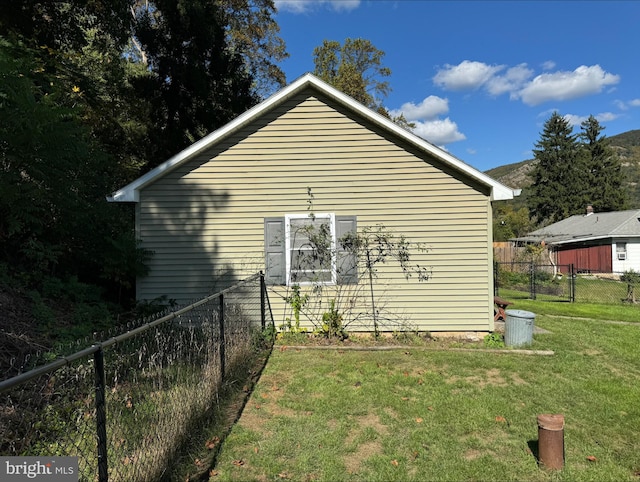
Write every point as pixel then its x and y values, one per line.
pixel 479 78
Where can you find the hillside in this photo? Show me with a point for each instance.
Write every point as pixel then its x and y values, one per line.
pixel 627 145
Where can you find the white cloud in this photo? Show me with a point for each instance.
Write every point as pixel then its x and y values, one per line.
pixel 303 6
pixel 439 131
pixel 511 81
pixel 620 104
pixel 548 65
pixel 516 81
pixel 606 116
pixel 428 126
pixel 576 120
pixel 429 108
pixel 564 85
pixel 468 75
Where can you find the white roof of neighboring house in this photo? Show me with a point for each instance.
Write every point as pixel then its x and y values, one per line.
pixel 587 227
pixel 130 192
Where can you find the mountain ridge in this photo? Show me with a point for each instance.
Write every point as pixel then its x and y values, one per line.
pixel 626 145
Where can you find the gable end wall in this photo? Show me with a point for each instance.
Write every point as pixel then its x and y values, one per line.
pixel 204 220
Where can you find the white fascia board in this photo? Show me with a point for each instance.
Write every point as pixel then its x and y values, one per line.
pixel 577 240
pixel 595 238
pixel 130 193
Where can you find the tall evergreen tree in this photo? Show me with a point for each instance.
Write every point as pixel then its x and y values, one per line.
pixel 603 169
pixel 559 175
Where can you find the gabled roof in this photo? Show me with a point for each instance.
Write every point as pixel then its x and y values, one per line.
pixel 588 227
pixel 130 193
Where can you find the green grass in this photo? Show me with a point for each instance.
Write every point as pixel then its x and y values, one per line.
pixel 588 289
pixel 544 306
pixel 420 414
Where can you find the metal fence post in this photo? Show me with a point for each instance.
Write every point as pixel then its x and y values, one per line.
pixel 572 283
pixel 263 321
pixel 222 338
pixel 101 415
pixel 532 281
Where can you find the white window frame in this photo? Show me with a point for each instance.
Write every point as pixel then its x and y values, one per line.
pixel 621 249
pixel 332 226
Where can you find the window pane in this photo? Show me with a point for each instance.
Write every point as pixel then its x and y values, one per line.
pixel 322 276
pixel 310 249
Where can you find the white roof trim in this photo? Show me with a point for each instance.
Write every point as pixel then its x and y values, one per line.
pixel 130 192
pixel 612 237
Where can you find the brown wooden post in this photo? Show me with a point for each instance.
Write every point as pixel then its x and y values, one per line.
pixel 551 441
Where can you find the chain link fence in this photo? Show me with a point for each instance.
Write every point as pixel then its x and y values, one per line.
pixel 565 283
pixel 125 406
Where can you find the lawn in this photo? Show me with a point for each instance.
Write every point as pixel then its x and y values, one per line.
pixel 421 413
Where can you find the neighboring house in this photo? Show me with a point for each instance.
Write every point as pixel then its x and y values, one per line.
pixel 593 242
pixel 213 213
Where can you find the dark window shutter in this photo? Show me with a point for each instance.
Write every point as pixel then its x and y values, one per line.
pixel 274 251
pixel 346 258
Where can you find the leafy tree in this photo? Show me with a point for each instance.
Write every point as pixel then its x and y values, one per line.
pixel 353 68
pixel 356 69
pixel 53 177
pixel 253 33
pixel 510 223
pixel 194 83
pixel 603 170
pixel 77 48
pixel 559 179
pixel 66 25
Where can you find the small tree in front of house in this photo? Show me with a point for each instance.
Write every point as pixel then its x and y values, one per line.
pixel 632 278
pixel 363 251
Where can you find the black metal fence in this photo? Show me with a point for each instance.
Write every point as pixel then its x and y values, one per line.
pixel 563 283
pixel 124 406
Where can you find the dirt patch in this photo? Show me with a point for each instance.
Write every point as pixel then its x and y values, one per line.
pixel 491 378
pixel 515 378
pixel 364 452
pixel 372 421
pixel 591 352
pixel 472 454
pixel 254 420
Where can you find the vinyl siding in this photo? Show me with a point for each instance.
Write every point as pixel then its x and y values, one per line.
pixel 633 256
pixel 204 220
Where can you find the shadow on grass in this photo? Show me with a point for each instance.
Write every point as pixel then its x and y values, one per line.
pixel 205 445
pixel 535 450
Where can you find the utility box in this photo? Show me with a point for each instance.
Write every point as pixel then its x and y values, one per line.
pixel 518 328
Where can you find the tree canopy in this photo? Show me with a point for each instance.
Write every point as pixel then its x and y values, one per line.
pixel 573 171
pixel 558 175
pixel 355 68
pixel 92 94
pixel 603 169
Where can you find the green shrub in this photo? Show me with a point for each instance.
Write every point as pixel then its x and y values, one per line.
pixel 494 340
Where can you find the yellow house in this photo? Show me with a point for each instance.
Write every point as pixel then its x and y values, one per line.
pixel 223 208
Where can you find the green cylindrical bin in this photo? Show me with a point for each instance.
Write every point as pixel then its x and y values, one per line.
pixel 518 327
